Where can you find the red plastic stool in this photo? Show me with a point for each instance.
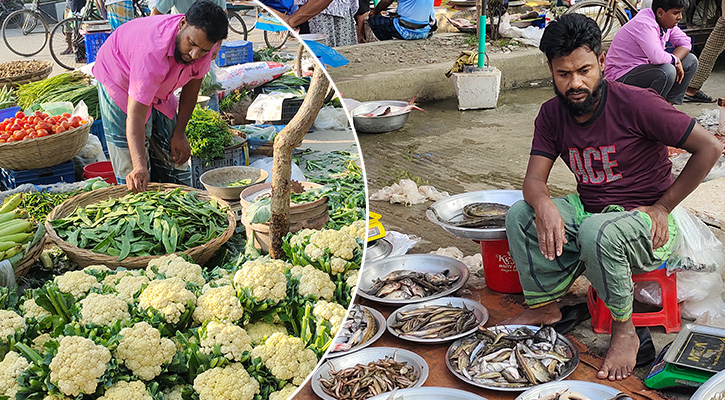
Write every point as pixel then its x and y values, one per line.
pixel 669 316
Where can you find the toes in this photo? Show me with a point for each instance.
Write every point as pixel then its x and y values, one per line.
pixel 602 374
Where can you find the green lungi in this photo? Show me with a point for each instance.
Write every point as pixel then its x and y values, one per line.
pixel 607 247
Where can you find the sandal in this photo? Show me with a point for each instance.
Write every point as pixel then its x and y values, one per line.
pixel 646 352
pixel 699 97
pixel 571 316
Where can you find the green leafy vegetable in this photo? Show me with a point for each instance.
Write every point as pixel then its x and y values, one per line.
pixel 208 134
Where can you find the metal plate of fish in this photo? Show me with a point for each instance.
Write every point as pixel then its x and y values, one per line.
pixel 594 391
pixel 365 356
pixel 438 326
pixel 448 213
pixel 374 334
pixel 409 278
pixel 427 393
pixel 511 357
pixel 712 389
pixel 378 249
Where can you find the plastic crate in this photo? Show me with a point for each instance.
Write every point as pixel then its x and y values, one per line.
pixel 236 52
pixel 10 179
pixel 97 129
pixel 233 155
pixel 289 110
pixel 94 41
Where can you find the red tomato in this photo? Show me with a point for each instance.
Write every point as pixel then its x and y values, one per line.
pixel 75 121
pixel 44 115
pixel 15 127
pixel 5 136
pixel 41 132
pixel 19 135
pixel 51 120
pixel 11 139
pixel 32 136
pixel 65 115
pixel 38 113
pixel 19 114
pixel 59 129
pixel 65 125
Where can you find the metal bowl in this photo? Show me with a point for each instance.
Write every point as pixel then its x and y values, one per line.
pixel 381 124
pixel 365 356
pixel 711 387
pixel 594 391
pixel 380 329
pixel 377 250
pixel 428 392
pixel 216 180
pixel 568 369
pixel 479 311
pixel 450 209
pixel 203 100
pixel 416 262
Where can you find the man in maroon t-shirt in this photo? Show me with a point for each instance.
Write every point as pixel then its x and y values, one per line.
pixel 614 138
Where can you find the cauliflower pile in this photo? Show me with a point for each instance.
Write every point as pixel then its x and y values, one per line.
pixel 287 357
pixel 283 394
pixel 103 309
pixel 167 296
pixel 232 340
pixel 260 331
pixel 220 303
pixel 232 383
pixel 263 279
pixel 10 369
pixel 332 251
pixel 174 266
pixel 314 282
pixel 77 283
pixel 134 390
pixel 144 351
pixel 31 309
pixel 78 366
pixel 10 322
pixel 128 286
pixel 333 312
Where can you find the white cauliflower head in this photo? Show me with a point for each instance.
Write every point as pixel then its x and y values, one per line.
pixel 113 278
pixel 103 309
pixel 175 393
pixel 31 309
pixel 229 383
pixel 221 303
pixel 314 282
pixel 351 277
pixel 122 390
pixel 264 280
pixel 167 296
pixel 99 268
pixel 338 243
pixel 283 394
pixel 233 341
pixel 78 366
pixel 10 322
pixel 10 369
pixel 286 357
pixel 224 280
pixel 261 331
pixel 357 229
pixel 40 341
pixel 337 265
pixel 144 351
pixel 77 283
pixel 129 285
pixel 299 239
pixel 174 266
pixel 333 312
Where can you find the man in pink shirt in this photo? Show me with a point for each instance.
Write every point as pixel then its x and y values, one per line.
pixel 138 68
pixel 637 55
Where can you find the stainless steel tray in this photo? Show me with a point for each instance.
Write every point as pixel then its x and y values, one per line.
pixel 713 386
pixel 451 209
pixel 377 250
pixel 568 369
pixel 427 393
pixel 365 356
pixel 417 262
pixel 681 339
pixel 380 330
pixel 594 391
pixel 479 311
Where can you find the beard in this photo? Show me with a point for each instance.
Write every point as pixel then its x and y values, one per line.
pixel 177 53
pixel 579 108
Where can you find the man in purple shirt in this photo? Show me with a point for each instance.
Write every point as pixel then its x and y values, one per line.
pixel 614 138
pixel 637 55
pixel 138 69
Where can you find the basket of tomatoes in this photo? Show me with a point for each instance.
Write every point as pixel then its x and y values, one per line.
pixel 38 140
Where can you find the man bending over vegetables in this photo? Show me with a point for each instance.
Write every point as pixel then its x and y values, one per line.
pixel 138 69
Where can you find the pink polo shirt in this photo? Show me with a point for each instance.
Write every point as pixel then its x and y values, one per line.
pixel 137 60
pixel 641 41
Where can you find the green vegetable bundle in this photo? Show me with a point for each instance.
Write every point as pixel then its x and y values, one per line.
pixel 143 224
pixel 6 97
pixel 74 93
pixel 29 93
pixel 208 134
pixel 17 232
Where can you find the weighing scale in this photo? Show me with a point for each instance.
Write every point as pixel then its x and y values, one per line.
pixel 375 227
pixel 696 354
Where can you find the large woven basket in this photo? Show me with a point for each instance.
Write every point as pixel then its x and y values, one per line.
pixel 31 256
pixel 44 151
pixel 15 81
pixel 200 254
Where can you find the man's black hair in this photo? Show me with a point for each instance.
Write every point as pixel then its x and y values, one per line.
pixel 568 33
pixel 667 5
pixel 210 18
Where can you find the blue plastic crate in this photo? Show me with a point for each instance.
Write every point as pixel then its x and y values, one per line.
pixel 97 129
pixel 94 41
pixel 236 52
pixel 10 179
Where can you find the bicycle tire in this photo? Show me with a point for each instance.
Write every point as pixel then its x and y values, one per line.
pixel 237 27
pixel 20 35
pixel 597 10
pixel 275 40
pixel 59 43
pixel 249 20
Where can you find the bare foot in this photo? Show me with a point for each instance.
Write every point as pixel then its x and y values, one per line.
pixel 545 315
pixel 622 354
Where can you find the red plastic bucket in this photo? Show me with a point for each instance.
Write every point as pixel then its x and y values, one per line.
pixel 101 169
pixel 498 267
pixel 437 3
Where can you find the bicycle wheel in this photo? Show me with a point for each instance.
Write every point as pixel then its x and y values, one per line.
pixel 249 20
pixel 237 27
pixel 609 20
pixel 67 46
pixel 25 32
pixel 275 40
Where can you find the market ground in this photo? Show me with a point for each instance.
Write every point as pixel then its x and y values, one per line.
pixel 480 150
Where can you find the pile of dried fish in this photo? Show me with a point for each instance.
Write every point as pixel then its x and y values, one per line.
pixel 364 381
pixel 506 358
pixel 434 321
pixel 357 329
pixel 406 284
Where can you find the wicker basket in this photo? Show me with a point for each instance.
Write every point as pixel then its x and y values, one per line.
pixel 200 254
pixel 31 256
pixel 15 81
pixel 44 151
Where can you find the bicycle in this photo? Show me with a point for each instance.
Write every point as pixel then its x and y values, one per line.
pixel 610 15
pixel 275 34
pixel 25 32
pixel 7 7
pixel 238 29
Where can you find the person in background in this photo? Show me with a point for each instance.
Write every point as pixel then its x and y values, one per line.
pixel 119 12
pixel 336 23
pixel 146 135
pixel 638 57
pixel 360 16
pixel 713 47
pixel 293 15
pixel 179 6
pixel 415 19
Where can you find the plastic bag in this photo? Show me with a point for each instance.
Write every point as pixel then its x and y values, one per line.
pixel 408 193
pixel 476 279
pixel 696 248
pixel 648 293
pixel 331 118
pixel 697 286
pixel 7 274
pixel 265 163
pixel 401 242
pixel 249 75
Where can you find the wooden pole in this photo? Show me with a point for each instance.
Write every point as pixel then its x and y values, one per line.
pixel 284 144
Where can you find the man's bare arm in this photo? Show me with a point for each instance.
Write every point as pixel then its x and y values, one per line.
pixel 139 177
pixel 549 224
pixel 306 11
